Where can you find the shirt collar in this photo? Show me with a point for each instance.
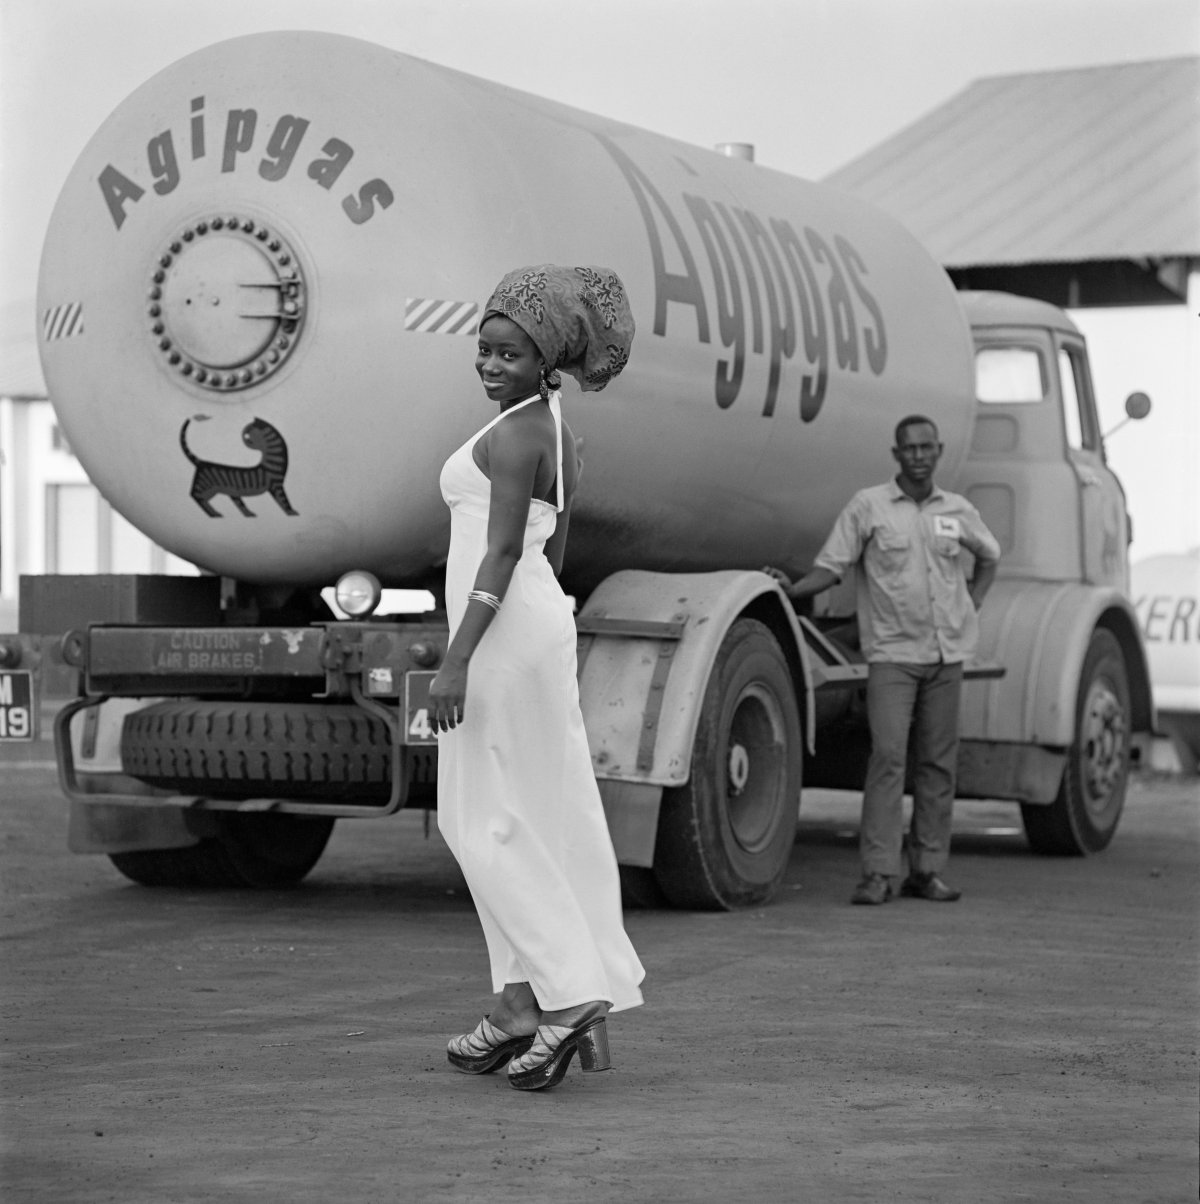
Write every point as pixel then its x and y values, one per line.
pixel 897 494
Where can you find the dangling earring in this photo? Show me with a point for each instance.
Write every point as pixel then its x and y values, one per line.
pixel 543 387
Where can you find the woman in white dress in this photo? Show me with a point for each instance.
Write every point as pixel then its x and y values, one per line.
pixel 517 799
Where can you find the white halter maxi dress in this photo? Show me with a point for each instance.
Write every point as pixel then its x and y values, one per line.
pixel 517 798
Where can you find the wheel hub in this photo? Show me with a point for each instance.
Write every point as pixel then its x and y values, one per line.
pixel 1104 743
pixel 754 770
pixel 739 768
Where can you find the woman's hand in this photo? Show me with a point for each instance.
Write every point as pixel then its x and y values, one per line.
pixel 448 696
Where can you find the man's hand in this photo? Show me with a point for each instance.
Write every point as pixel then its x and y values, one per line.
pixel 812 583
pixel 778 575
pixel 981 581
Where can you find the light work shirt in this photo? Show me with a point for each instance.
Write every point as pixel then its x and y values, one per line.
pixel 913 602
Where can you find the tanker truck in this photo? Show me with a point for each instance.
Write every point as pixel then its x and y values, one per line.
pixel 257 306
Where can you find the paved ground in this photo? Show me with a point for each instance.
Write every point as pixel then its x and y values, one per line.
pixel 1035 1042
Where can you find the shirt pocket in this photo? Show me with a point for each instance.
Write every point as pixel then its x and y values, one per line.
pixel 892 550
pixel 947 536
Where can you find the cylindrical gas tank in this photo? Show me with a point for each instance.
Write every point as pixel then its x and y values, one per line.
pixel 262 281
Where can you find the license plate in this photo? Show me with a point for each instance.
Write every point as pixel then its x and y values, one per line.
pixel 417 726
pixel 16 704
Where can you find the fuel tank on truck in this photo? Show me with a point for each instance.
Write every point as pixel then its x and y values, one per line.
pixel 262 281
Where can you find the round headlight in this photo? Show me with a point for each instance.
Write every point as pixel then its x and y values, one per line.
pixel 358 593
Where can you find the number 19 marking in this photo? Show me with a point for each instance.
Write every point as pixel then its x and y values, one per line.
pixel 14 723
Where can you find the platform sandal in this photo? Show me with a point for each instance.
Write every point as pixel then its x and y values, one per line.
pixel 546 1061
pixel 486 1049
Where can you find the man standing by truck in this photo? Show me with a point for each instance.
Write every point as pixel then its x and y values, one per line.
pixel 917 626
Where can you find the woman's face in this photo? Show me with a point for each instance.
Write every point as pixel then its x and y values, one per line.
pixel 507 361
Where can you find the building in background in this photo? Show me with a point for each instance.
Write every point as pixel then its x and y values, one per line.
pixel 52 518
pixel 1082 188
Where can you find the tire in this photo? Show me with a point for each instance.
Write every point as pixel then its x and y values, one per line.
pixel 724 839
pixel 259 850
pixel 240 750
pixel 1084 816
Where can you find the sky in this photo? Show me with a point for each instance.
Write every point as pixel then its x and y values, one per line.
pixel 811 83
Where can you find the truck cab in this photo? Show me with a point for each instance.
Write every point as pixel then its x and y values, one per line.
pixel 1036 468
pixel 1056 733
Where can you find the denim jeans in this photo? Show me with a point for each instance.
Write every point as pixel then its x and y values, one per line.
pixel 917 702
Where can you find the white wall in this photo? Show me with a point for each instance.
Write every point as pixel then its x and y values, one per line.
pixel 31 465
pixel 1154 349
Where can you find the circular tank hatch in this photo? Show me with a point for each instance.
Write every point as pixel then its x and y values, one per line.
pixel 226 303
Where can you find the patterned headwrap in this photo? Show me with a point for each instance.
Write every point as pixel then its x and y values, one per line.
pixel 579 318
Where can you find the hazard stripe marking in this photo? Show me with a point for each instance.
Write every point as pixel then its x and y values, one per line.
pixel 63 321
pixel 429 315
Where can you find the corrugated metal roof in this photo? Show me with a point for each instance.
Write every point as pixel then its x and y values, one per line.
pixel 1049 167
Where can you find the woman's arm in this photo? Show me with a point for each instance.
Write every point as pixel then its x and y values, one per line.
pixel 513 459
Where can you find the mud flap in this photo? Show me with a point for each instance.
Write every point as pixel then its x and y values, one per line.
pixel 631 809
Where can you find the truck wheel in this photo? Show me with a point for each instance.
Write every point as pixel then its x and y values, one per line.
pixel 724 839
pixel 250 749
pixel 260 850
pixel 1084 816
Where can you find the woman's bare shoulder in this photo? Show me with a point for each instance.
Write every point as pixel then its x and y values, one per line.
pixel 527 432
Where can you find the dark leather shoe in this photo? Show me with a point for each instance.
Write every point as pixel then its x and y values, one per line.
pixel 928 886
pixel 872 890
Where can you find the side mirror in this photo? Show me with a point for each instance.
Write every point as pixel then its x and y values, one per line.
pixel 1137 406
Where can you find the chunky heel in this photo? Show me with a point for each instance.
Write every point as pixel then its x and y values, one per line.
pixel 593 1048
pixel 545 1063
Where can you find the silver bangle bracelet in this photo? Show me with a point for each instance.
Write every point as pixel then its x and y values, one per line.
pixel 479 595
